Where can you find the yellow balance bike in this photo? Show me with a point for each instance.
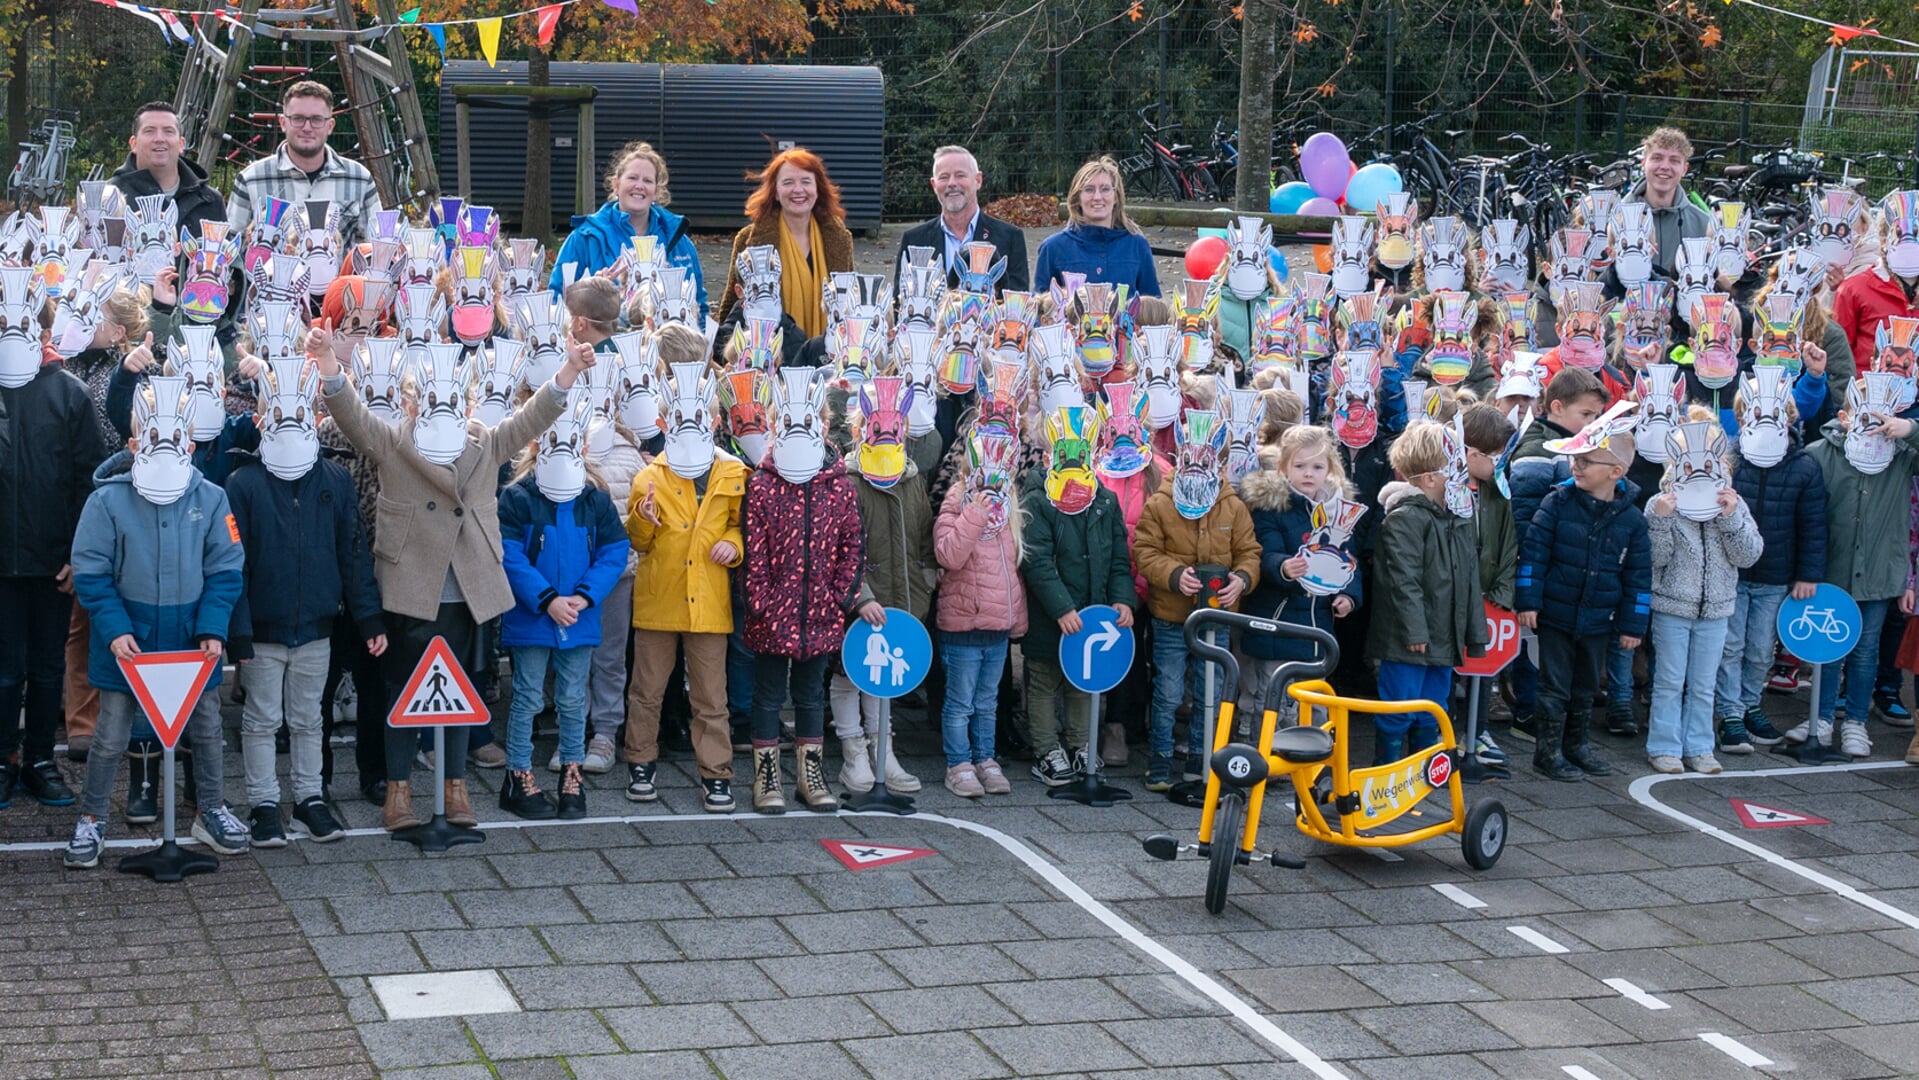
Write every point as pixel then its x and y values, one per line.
pixel 1384 806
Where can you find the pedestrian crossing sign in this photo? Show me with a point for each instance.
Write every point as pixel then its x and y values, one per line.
pixel 438 693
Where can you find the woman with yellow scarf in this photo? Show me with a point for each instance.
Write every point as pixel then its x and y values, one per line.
pixel 796 208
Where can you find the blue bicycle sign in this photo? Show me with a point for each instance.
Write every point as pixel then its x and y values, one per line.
pixel 1822 628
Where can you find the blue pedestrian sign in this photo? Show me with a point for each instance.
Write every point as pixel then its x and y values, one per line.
pixel 1822 628
pixel 887 661
pixel 1100 655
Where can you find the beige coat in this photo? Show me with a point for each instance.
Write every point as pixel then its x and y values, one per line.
pixel 431 516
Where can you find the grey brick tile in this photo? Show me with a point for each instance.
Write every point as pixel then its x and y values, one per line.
pixel 843 973
pixel 1194 1040
pixel 677 1027
pixel 1039 1048
pixel 679 983
pixel 456 950
pixel 815 1061
pixel 942 1008
pixel 945 1055
pixel 547 1033
pixel 803 1020
pixel 576 986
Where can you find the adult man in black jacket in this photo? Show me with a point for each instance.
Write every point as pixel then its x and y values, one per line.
pixel 956 183
pixel 156 165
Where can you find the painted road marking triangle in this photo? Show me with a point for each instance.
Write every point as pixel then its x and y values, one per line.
pixel 862 856
pixel 167 685
pixel 438 693
pixel 1754 816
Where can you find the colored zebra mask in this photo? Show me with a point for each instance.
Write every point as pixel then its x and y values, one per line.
pixel 884 402
pixel 963 340
pixel 1329 567
pixel 1645 320
pixel 1397 214
pixel 205 287
pixel 1124 445
pixel 289 444
pixel 1097 313
pixel 1353 393
pixel 1776 320
pixel 1201 439
pixel 1274 338
pixel 1193 308
pixel 1072 435
pixel 473 272
pixel 991 460
pixel 747 398
pixel 758 343
pixel 1715 347
pixel 1451 357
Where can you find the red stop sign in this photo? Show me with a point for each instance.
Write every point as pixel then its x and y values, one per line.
pixel 1502 632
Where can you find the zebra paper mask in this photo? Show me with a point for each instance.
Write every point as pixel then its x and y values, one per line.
pixel 387 227
pixel 689 419
pixel 364 304
pixel 1360 329
pixel 1156 370
pixel 1731 239
pixel 1893 342
pixel 1715 347
pixel 82 305
pixel 163 460
pixel 54 236
pixel 1900 210
pixel 913 351
pixel 380 367
pixel 204 288
pixel 1571 258
pixel 1097 313
pixel 1274 337
pixel 746 397
pixel 856 346
pixel 1871 398
pixel 1013 318
pixel 991 460
pixel 921 288
pixel 882 449
pixel 1635 243
pixel 1696 470
pixel 636 383
pixel 757 343
pixel 640 264
pixel 1313 318
pixel 1124 446
pixel 498 373
pixel 1451 358
pixel 1765 431
pixel 1071 435
pixel 978 273
pixel 316 241
pixel 799 426
pixel 1645 320
pixel 524 260
pixel 1504 245
pixel 1248 242
pixel 1693 265
pixel 1775 331
pixel 1002 395
pixel 155 222
pixel 1837 222
pixel 672 297
pixel 1582 325
pixel 276 328
pixel 21 301
pixel 476 226
pixel 539 321
pixel 1799 272
pixel 1522 419
pixel 444 218
pixel 1353 393
pixel 963 339
pixel 93 204
pixel 1193 308
pixel 421 313
pixel 1596 210
pixel 1397 214
pixel 1662 403
pixel 1459 481
pixel 1522 376
pixel 443 377
pixel 113 241
pixel 858 296
pixel 1597 435
pixel 423 255
pixel 559 465
pixel 1243 412
pixel 1352 255
pixel 1329 566
pixel 1201 441
pixel 1056 369
pixel 289 445
pixel 1443 254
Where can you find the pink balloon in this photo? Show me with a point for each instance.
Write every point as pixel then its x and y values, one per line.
pixel 1319 206
pixel 1325 164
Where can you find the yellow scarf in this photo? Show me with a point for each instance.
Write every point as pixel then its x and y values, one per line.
pixel 801 279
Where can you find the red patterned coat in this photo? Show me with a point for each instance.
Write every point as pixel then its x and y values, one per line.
pixel 804 558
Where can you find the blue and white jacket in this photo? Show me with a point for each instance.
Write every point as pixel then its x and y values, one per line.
pixel 575 548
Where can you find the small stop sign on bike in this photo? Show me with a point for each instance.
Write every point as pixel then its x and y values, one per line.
pixel 1822 628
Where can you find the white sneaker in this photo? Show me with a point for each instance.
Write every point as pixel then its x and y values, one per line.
pixel 1799 734
pixel 1666 763
pixel 856 765
pixel 553 763
pixel 1853 739
pixel 600 755
pixel 898 780
pixel 1704 763
pixel 423 759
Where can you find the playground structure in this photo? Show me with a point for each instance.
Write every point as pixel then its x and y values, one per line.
pixel 381 99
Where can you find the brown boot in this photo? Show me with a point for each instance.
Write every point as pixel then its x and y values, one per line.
pixel 812 789
pixel 397 814
pixel 458 810
pixel 1912 751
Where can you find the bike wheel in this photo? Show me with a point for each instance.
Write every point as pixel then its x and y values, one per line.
pixel 1229 825
pixel 1484 836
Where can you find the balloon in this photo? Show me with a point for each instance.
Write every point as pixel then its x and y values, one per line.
pixel 1324 163
pixel 1319 206
pixel 1289 197
pixel 1203 257
pixel 1323 257
pixel 1277 260
pixel 1370 185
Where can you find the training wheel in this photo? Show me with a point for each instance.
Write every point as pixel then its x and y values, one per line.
pixel 1484 838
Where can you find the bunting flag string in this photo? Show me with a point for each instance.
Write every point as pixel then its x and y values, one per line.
pixel 169 21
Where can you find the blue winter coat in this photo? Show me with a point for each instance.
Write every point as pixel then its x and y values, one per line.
pixel 597 241
pixel 1788 502
pixel 1102 254
pixel 1586 566
pixel 168 575
pixel 574 548
pixel 1534 471
pixel 308 557
pixel 1281 532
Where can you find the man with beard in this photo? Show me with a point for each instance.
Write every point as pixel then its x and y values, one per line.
pixel 956 182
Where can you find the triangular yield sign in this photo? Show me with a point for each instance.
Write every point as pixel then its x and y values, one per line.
pixel 863 856
pixel 1754 816
pixel 167 685
pixel 438 692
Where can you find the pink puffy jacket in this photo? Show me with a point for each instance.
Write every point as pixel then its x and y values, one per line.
pixel 979 578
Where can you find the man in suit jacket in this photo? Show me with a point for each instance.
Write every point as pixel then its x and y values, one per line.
pixel 956 183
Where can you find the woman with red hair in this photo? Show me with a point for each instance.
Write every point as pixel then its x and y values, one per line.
pixel 796 208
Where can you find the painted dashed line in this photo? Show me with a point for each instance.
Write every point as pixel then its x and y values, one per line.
pixel 1537 940
pixel 1736 1050
pixel 1578 1072
pixel 1459 896
pixel 1383 855
pixel 1635 995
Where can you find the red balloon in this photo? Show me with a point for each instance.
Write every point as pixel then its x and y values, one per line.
pixel 1203 257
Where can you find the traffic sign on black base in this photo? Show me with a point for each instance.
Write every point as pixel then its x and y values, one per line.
pixel 1822 629
pixel 1502 636
pixel 439 694
pixel 167 686
pixel 1094 660
pixel 886 662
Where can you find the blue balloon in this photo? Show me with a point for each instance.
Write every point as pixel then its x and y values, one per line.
pixel 1370 186
pixel 1287 198
pixel 1278 262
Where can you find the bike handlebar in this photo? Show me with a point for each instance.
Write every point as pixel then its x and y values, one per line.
pixel 1290 671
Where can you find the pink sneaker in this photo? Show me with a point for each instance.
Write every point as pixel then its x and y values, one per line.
pixel 993 778
pixel 961 780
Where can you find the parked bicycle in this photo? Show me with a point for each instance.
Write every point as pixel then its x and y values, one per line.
pixel 1162 170
pixel 40 173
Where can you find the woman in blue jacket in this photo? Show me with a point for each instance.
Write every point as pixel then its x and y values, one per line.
pixel 636 204
pixel 1099 240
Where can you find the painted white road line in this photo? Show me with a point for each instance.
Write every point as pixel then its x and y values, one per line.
pixel 1636 995
pixel 1537 940
pixel 1734 1049
pixel 1383 855
pixel 1459 896
pixel 1642 793
pixel 1236 1006
pixel 1578 1072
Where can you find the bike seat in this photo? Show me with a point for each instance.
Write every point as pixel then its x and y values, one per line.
pixel 1180 148
pixel 1303 745
pixel 1734 172
pixel 1456 134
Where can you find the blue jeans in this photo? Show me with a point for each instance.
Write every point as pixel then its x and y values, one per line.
pixel 1173 680
pixel 1860 668
pixel 1618 680
pixel 1685 664
pixel 1399 681
pixel 570 668
pixel 971 710
pixel 1750 635
pixel 777 676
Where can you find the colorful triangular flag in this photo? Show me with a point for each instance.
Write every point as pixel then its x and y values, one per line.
pixel 627 6
pixel 411 16
pixel 490 41
pixel 549 21
pixel 439 37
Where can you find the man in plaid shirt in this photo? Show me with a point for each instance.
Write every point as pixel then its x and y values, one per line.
pixel 304 167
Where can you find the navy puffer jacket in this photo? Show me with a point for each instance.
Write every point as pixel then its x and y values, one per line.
pixel 1281 530
pixel 1789 503
pixel 1534 470
pixel 1586 566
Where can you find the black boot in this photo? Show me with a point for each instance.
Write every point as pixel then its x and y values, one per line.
pixel 572 793
pixel 1547 759
pixel 143 782
pixel 521 796
pixel 1578 750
